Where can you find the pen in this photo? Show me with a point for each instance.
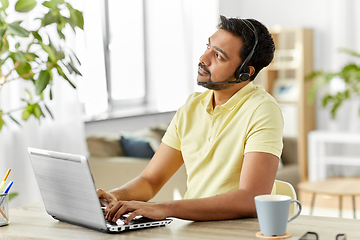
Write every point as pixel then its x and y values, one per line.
pixel 6 191
pixel 3 214
pixel 8 187
pixel 3 184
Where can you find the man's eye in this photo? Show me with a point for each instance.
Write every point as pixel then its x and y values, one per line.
pixel 207 46
pixel 218 56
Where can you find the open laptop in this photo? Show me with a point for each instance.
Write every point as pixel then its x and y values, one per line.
pixel 69 195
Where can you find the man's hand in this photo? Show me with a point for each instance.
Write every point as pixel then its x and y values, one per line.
pixel 154 211
pixel 106 199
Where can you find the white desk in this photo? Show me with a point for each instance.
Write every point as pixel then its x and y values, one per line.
pixel 318 157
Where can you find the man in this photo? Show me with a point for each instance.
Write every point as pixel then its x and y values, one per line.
pixel 229 137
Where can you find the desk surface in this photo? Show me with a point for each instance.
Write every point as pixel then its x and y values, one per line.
pixel 32 222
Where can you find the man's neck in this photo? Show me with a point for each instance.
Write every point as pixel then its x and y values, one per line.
pixel 222 96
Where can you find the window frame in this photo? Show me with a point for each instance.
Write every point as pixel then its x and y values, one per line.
pixel 114 105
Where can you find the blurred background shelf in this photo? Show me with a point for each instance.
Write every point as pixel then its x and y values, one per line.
pixel 284 79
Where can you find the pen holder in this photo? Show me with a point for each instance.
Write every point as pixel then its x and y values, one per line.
pixel 4 209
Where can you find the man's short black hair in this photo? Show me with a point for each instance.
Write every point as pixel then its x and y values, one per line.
pixel 264 51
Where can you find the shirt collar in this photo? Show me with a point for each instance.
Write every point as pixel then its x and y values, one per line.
pixel 232 102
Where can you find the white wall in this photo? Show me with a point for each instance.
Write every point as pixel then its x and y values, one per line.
pixel 335 24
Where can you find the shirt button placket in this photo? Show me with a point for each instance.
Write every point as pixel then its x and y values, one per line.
pixel 213 127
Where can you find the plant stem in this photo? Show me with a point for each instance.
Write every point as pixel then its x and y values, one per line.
pixel 14 110
pixel 16 65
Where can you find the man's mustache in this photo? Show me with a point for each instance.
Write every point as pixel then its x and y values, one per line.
pixel 203 67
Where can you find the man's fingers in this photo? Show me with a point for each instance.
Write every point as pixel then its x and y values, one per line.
pixel 104 198
pixel 100 192
pixel 111 211
pixel 110 205
pixel 117 210
pixel 131 217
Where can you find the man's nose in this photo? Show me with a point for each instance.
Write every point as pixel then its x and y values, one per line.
pixel 204 59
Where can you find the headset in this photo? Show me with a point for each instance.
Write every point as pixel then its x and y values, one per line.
pixel 242 73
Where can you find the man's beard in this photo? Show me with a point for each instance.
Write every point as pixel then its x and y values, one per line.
pixel 216 86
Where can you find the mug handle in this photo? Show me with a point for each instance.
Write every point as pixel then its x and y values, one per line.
pixel 299 211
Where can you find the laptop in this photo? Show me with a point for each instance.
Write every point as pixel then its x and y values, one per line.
pixel 68 191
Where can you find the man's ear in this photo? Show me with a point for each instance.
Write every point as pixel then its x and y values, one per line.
pixel 252 70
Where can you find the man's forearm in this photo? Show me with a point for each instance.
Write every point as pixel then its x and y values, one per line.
pixel 137 189
pixel 235 204
pixel 162 166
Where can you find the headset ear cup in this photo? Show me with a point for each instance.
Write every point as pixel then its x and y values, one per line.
pixel 244 75
pixel 237 73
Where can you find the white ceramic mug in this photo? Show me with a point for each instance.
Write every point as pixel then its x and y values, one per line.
pixel 273 213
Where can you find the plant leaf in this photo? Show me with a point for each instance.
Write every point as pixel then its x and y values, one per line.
pixel 76 58
pixel 37 111
pixel 49 50
pixel 36 36
pixel 4 5
pixel 350 52
pixel 15 29
pixel 2 123
pixel 61 73
pixel 326 99
pixel 14 120
pixel 19 57
pixel 50 18
pixel 76 18
pixel 6 49
pixel 2 32
pixel 80 19
pixel 50 4
pixel 334 109
pixel 58 1
pixel 48 109
pixel 30 56
pixel 42 81
pixel 29 94
pixel 25 5
pixel 12 195
pixel 25 115
pixel 51 94
pixel 61 35
pixel 24 68
pixel 71 65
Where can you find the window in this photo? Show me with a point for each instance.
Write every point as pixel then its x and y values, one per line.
pixel 141 56
pixel 124 51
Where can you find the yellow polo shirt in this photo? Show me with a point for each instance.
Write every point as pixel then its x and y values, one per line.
pixel 213 141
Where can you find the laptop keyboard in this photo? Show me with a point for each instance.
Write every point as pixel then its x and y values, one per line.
pixel 120 221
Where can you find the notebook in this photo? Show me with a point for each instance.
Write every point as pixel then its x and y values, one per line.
pixel 68 191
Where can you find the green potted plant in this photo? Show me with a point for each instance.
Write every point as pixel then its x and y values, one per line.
pixel 349 74
pixel 35 54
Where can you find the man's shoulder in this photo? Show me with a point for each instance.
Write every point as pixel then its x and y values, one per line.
pixel 197 98
pixel 261 96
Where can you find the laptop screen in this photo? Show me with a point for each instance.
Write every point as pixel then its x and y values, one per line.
pixel 67 188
